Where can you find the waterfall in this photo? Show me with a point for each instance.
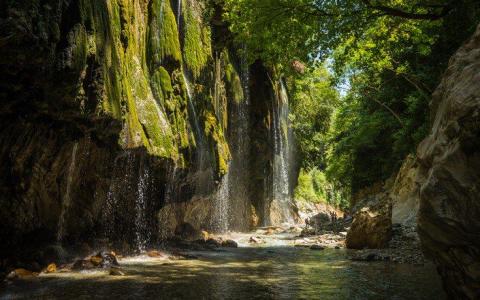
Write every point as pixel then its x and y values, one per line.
pixel 281 162
pixel 240 141
pixel 221 220
pixel 170 195
pixel 142 232
pixel 67 196
pixel 193 110
pixel 179 14
pixel 126 212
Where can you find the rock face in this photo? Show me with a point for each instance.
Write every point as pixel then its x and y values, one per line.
pixel 405 194
pixel 372 225
pixel 449 223
pixel 112 110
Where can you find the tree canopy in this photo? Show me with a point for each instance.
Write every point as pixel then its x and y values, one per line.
pixel 385 56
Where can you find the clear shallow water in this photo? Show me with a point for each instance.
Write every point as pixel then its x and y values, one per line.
pixel 267 272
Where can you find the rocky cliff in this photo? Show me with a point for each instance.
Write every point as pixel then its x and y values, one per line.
pixel 114 112
pixel 449 159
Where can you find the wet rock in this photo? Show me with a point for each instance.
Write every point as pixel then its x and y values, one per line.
pixel 51 268
pixel 214 242
pixel 229 244
pixel 449 160
pixel 189 256
pixel 205 235
pixel 155 253
pixel 317 247
pixel 21 274
pixel 254 240
pixel 83 264
pixel 187 232
pixel 96 260
pixel 116 272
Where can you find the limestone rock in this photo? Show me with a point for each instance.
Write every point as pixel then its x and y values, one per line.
pixel 449 223
pixel 405 194
pixel 371 227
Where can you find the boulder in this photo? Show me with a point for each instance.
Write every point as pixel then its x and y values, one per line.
pixel 51 268
pixel 155 253
pixel 116 272
pixel 449 164
pixel 83 264
pixel 96 260
pixel 187 232
pixel 229 244
pixel 214 242
pixel 21 274
pixel 371 227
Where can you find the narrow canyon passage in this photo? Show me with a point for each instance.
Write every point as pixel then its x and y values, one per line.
pixel 237 149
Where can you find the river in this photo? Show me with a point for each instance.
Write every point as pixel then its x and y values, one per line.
pixel 273 270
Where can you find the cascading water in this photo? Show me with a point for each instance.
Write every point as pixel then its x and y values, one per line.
pixel 190 95
pixel 193 110
pixel 142 232
pixel 67 196
pixel 281 163
pixel 221 220
pixel 240 170
pixel 128 195
pixel 232 203
pixel 170 195
pixel 179 14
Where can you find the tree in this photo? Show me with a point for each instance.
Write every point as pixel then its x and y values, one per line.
pixel 390 55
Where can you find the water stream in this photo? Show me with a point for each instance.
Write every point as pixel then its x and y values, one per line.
pixel 142 232
pixel 67 196
pixel 275 270
pixel 281 164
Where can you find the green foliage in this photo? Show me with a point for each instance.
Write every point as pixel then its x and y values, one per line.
pixel 313 101
pixel 389 56
pixel 314 187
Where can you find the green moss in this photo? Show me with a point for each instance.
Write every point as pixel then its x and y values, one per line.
pixel 163 41
pixel 197 41
pixel 233 81
pixel 215 132
pixel 79 41
pixel 138 50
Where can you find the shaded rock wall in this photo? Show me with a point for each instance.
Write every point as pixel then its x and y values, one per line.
pixel 376 209
pixel 449 161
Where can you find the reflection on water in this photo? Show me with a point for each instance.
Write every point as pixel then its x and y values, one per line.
pixel 281 272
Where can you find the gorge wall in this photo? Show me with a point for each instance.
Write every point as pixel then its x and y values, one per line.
pixel 123 120
pixel 449 164
pixel 435 194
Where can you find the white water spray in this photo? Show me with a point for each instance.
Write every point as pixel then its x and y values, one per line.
pixel 281 164
pixel 141 230
pixel 222 205
pixel 67 199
